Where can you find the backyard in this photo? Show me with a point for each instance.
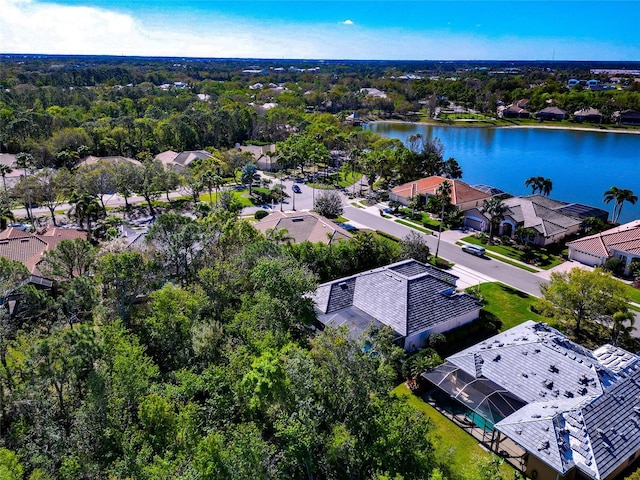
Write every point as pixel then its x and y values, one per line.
pixel 453 446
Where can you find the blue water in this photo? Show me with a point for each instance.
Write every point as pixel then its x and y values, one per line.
pixel 581 165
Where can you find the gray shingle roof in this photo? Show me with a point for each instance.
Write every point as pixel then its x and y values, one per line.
pixel 582 407
pixel 408 296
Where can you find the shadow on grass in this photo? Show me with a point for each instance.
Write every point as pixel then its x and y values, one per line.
pixel 513 291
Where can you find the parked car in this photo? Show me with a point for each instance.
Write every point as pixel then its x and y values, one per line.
pixel 296 189
pixel 474 250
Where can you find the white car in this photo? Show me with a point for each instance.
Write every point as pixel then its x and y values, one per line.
pixel 474 250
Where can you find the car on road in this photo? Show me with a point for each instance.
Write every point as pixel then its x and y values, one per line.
pixel 296 189
pixel 474 250
pixel 347 226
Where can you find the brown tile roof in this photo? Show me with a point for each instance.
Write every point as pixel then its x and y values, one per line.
pixel 625 238
pixel 460 191
pixel 304 226
pixel 28 248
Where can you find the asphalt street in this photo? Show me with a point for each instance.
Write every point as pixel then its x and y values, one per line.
pixel 502 272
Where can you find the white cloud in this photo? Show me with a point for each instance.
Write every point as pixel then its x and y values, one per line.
pixel 33 26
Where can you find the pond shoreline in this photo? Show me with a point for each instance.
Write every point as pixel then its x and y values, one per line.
pixel 474 124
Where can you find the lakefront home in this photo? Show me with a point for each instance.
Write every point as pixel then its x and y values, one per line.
pixel 622 242
pixel 590 115
pixel 551 220
pixel 551 113
pixel 463 196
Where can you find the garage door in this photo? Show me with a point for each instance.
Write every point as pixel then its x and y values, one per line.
pixel 585 258
pixel 473 223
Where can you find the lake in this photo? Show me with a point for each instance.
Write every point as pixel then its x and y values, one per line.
pixel 581 165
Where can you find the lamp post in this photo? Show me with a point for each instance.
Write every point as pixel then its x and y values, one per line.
pixel 281 191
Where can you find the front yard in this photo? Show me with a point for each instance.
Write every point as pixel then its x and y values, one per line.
pixel 542 257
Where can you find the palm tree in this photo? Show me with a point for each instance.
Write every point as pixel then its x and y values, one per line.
pixel 444 194
pixel 619 195
pixel 249 175
pixel 546 185
pixel 211 180
pixel 6 216
pixel 4 171
pixel 495 209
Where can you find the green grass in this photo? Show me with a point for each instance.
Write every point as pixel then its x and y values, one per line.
pixel 414 225
pixel 348 179
pixel 356 204
pixel 453 446
pixel 510 306
pixel 632 293
pixel 546 259
pixel 341 219
pixel 241 196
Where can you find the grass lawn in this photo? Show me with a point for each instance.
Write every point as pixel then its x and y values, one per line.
pixel 453 446
pixel 632 293
pixel 242 196
pixel 348 179
pixel 414 225
pixel 510 306
pixel 546 259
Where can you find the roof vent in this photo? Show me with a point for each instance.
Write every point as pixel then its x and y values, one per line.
pixel 548 383
pixel 497 358
pixel 543 445
pixel 582 391
pixel 568 394
pixel 600 432
pixel 343 285
pixel 553 369
pixel 636 409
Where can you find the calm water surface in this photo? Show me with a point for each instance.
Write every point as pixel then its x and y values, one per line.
pixel 582 165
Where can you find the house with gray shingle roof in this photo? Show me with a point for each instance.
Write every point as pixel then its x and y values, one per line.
pixel 622 242
pixel 412 298
pixel 575 412
pixel 551 219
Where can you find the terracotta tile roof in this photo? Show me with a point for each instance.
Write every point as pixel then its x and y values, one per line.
pixel 460 191
pixel 625 238
pixel 28 248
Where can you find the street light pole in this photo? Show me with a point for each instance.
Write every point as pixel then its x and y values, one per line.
pixel 281 191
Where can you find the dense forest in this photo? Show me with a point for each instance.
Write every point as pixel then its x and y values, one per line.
pixel 125 106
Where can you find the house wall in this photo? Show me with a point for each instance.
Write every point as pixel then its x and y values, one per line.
pixel 544 471
pixel 398 198
pixel 419 340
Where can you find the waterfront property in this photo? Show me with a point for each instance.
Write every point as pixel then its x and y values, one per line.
pixel 590 115
pixel 551 220
pixel 622 242
pixel 575 412
pixel 551 113
pixel 462 197
pixel 412 298
pixel 581 164
pixel 627 117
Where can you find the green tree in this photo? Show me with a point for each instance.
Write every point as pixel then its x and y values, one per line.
pixel 619 196
pixel 53 189
pixel 4 171
pixel 249 175
pixel 415 246
pixel 10 466
pixel 495 210
pixel 329 204
pixel 539 184
pixel 299 150
pixel 70 258
pixel 580 295
pixel 177 240
pixel 123 277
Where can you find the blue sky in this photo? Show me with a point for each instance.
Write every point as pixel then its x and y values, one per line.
pixel 438 30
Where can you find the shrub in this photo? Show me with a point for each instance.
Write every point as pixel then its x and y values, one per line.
pixel 436 341
pixel 260 214
pixel 329 204
pixel 614 265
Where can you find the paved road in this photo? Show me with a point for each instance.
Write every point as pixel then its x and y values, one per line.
pixel 516 277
